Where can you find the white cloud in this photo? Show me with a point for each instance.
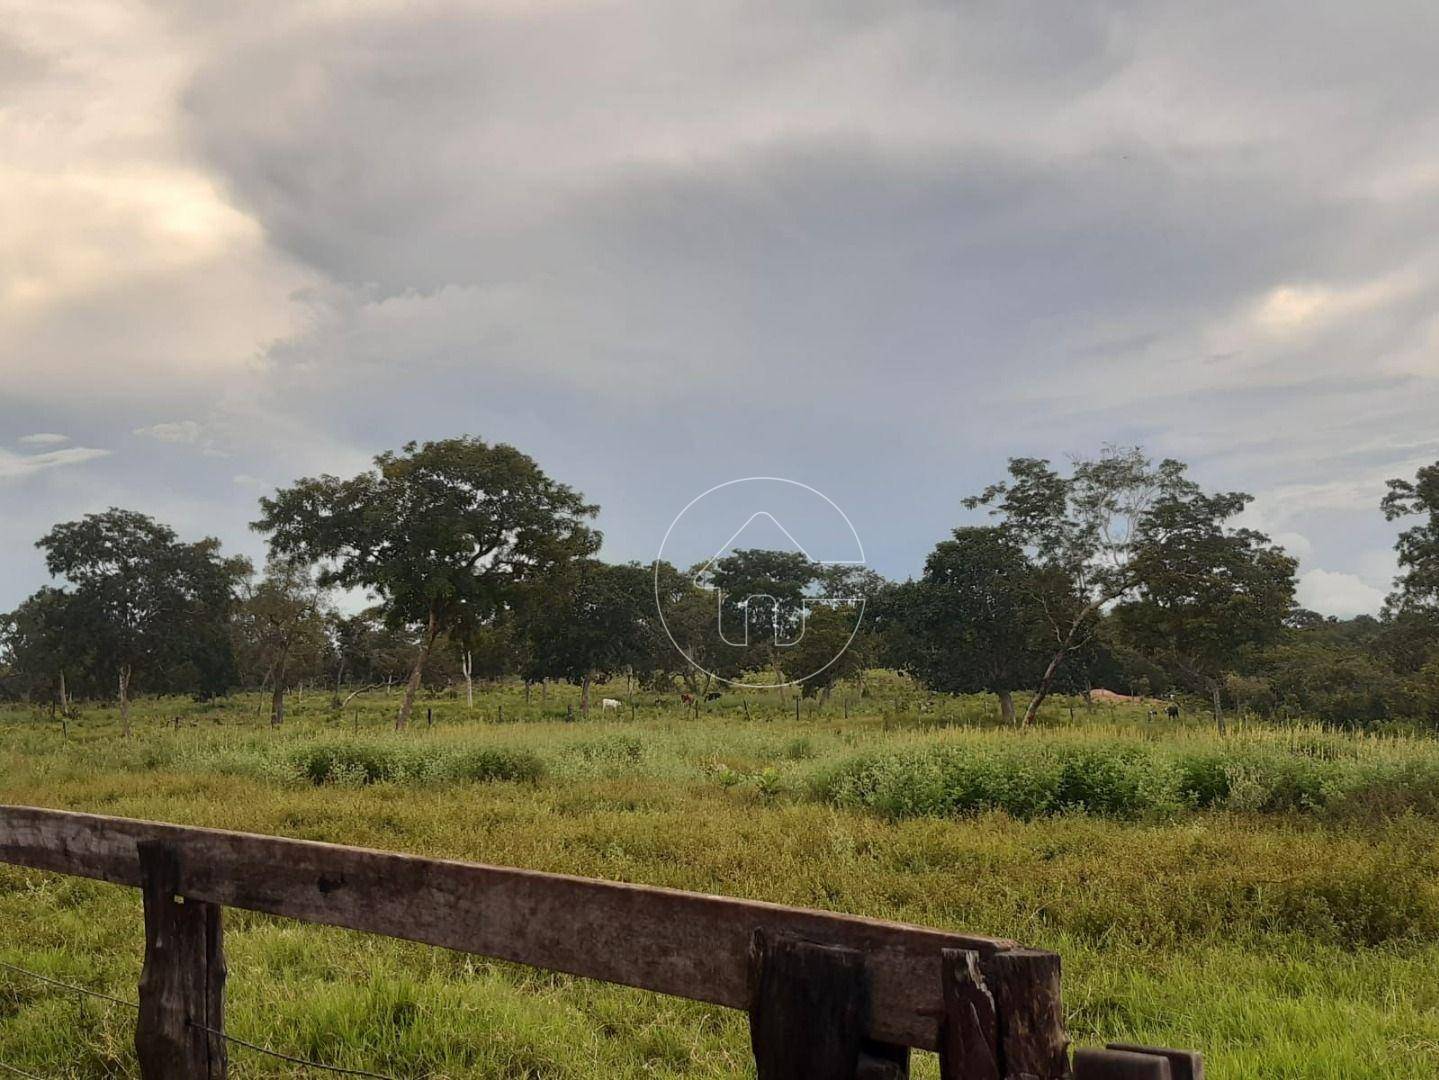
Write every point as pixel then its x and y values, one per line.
pixel 43 438
pixel 1332 593
pixel 18 466
pixel 176 431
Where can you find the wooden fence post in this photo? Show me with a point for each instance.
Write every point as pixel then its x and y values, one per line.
pixel 1029 1014
pixel 968 1035
pixel 182 985
pixel 810 1004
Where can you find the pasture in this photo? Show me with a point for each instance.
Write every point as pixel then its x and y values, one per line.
pixel 1271 898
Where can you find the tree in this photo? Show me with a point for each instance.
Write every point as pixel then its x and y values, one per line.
pixel 589 622
pixel 689 644
pixel 366 650
pixel 825 653
pixel 281 629
pixel 760 597
pixel 146 602
pixel 1084 531
pixel 1417 586
pixel 973 623
pixel 1205 594
pixel 39 649
pixel 443 533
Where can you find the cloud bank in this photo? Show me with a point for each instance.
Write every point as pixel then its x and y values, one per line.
pixel 877 250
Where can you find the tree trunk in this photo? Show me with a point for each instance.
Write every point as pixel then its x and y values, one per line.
pixel 125 699
pixel 64 697
pixel 1045 684
pixel 412 685
pixel 1006 706
pixel 277 696
pixel 1218 708
pixel 468 668
pixel 585 695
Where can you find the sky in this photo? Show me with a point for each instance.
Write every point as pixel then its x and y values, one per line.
pixel 876 249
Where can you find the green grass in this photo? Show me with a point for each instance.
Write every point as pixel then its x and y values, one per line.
pixel 1272 900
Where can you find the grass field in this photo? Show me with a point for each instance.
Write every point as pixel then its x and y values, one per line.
pixel 1271 899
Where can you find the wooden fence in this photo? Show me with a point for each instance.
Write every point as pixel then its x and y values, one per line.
pixel 830 996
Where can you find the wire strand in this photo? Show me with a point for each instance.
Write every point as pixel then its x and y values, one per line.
pixel 287 1057
pixel 203 1027
pixel 69 986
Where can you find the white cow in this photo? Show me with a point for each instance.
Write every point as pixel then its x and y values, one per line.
pixel 609 703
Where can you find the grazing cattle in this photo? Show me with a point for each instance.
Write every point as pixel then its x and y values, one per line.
pixel 713 695
pixel 687 699
pixel 609 703
pixel 1172 711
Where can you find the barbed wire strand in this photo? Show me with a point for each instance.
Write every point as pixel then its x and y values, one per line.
pixel 69 986
pixel 203 1027
pixel 287 1057
pixel 18 1072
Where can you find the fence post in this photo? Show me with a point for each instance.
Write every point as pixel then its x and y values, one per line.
pixel 1029 1014
pixel 182 985
pixel 968 1036
pixel 809 1005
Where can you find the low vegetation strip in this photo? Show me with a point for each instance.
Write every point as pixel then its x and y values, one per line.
pixel 357 763
pixel 1126 780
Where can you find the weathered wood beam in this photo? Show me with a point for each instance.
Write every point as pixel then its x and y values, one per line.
pixel 689 945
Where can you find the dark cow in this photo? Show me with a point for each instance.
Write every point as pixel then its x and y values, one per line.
pixel 713 695
pixel 1172 711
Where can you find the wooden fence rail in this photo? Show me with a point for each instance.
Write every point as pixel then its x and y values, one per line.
pixel 830 996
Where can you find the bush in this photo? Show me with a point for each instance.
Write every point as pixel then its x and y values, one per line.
pixel 1129 780
pixel 358 763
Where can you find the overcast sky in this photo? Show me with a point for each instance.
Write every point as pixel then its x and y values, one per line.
pixel 875 248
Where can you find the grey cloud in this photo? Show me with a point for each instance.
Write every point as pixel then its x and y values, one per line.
pixel 877 248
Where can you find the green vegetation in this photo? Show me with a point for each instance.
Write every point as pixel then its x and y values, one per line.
pixel 1269 897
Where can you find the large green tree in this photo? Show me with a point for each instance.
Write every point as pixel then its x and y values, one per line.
pixel 973 623
pixel 1418 545
pixel 1205 593
pixel 589 621
pixel 147 604
pixel 1087 532
pixel 442 533
pixel 760 597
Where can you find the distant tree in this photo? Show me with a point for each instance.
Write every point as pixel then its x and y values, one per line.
pixel 146 603
pixel 1417 586
pixel 1098 532
pixel 589 621
pixel 364 649
pixel 760 597
pixel 1081 529
pixel 688 643
pixel 974 622
pixel 443 533
pixel 1335 683
pixel 826 652
pixel 1205 594
pixel 281 629
pixel 40 651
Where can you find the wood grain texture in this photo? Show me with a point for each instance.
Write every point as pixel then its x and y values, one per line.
pixel 808 1008
pixel 1031 1036
pixel 689 945
pixel 182 984
pixel 968 1036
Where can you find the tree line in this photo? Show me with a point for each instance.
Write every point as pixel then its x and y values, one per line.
pixel 1116 572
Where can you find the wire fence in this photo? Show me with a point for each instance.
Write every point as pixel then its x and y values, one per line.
pixel 233 1039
